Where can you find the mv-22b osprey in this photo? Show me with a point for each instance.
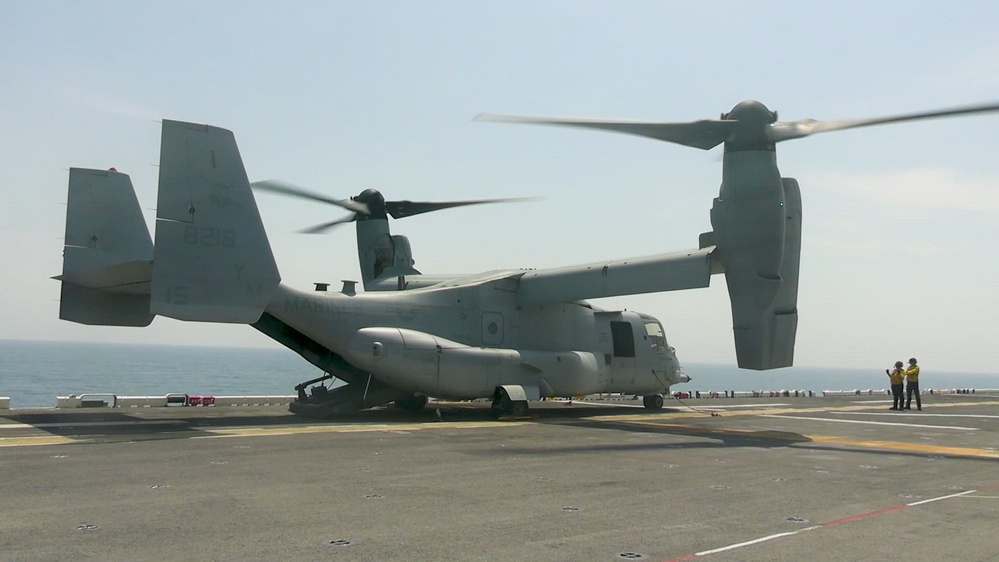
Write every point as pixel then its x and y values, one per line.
pixel 512 335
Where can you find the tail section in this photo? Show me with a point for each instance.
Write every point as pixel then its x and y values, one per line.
pixel 212 261
pixel 106 259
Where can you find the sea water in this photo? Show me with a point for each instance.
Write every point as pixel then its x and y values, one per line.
pixel 33 373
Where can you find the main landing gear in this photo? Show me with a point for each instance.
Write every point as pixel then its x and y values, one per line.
pixel 412 403
pixel 504 406
pixel 653 402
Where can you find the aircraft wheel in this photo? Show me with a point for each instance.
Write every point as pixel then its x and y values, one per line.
pixel 501 406
pixel 653 401
pixel 412 403
pixel 519 409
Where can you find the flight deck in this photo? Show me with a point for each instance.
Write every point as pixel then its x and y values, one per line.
pixel 775 478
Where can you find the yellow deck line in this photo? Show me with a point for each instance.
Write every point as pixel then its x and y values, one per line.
pixel 731 413
pixel 835 440
pixel 907 447
pixel 35 440
pixel 356 428
pixel 644 418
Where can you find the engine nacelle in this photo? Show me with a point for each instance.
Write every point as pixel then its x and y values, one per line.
pixel 758 238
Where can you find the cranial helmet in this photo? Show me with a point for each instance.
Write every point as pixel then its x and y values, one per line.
pixel 912 360
pixel 898 364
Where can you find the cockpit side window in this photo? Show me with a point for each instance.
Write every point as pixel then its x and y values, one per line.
pixel 657 339
pixel 623 338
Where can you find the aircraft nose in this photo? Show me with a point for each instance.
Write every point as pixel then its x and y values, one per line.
pixel 677 367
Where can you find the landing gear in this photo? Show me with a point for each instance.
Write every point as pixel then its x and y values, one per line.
pixel 653 402
pixel 519 409
pixel 498 407
pixel 504 406
pixel 412 403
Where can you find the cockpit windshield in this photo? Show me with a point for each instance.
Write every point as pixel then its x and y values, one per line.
pixel 657 339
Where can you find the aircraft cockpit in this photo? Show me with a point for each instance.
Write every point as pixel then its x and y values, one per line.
pixel 655 334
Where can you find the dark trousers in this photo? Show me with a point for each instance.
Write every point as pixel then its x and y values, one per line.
pixel 897 400
pixel 910 388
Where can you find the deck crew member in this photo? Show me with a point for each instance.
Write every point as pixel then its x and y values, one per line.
pixel 912 385
pixel 896 376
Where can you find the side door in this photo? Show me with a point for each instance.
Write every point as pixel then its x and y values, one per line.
pixel 623 355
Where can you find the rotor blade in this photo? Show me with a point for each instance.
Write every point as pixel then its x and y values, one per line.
pixel 321 228
pixel 402 209
pixel 797 129
pixel 276 186
pixel 704 134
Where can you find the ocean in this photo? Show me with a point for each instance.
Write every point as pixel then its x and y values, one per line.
pixel 33 373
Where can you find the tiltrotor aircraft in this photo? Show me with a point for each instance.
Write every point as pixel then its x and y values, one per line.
pixel 512 335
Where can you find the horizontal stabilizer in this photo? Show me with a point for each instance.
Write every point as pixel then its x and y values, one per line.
pixel 212 261
pixel 124 278
pixel 105 271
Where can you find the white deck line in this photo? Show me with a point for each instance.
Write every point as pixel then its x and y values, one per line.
pixel 901 424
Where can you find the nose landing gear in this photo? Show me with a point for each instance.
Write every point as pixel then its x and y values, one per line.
pixel 653 402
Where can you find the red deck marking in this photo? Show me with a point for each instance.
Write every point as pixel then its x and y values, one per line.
pixel 839 521
pixel 864 515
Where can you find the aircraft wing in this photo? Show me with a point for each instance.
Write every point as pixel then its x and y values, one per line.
pixel 691 269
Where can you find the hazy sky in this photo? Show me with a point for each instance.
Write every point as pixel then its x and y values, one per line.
pixel 901 223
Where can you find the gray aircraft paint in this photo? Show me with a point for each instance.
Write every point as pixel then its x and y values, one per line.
pixel 107 254
pixel 212 263
pixel 502 333
pixel 756 218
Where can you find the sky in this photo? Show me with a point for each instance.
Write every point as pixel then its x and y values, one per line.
pixel 899 222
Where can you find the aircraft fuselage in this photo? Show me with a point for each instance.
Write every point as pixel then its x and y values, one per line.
pixel 462 342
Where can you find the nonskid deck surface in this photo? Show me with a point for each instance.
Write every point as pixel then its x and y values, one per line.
pixel 840 478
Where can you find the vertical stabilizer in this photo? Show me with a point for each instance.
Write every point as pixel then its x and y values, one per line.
pixel 105 267
pixel 212 261
pixel 104 224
